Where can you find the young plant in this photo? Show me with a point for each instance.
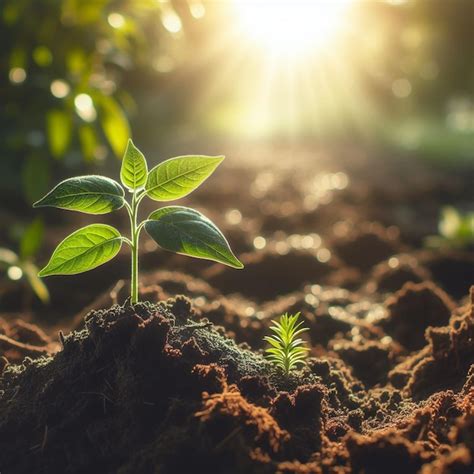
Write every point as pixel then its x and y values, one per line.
pixel 175 228
pixel 20 266
pixel 287 350
pixel 456 230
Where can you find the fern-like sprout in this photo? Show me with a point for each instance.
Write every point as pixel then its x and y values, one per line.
pixel 287 349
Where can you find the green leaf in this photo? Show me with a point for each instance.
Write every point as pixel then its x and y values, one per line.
pixel 177 177
pixel 31 272
pixel 42 56
pixel 32 238
pixel 18 58
pixel 186 231
pixel 7 257
pixel 88 140
pixel 450 222
pixel 287 351
pixel 83 250
pixel 36 177
pixel 76 61
pixel 89 194
pixel 59 128
pixel 134 170
pixel 115 124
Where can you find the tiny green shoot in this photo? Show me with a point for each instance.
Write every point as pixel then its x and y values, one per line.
pixel 456 229
pixel 20 266
pixel 287 349
pixel 174 228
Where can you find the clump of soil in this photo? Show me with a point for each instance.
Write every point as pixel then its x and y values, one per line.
pixel 392 275
pixel 414 308
pixel 159 388
pixel 368 246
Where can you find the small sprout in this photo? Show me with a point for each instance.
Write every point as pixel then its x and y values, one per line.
pixel 175 228
pixel 287 350
pixel 20 266
pixel 456 230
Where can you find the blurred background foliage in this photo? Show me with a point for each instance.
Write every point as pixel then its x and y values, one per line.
pixel 77 77
pixel 62 100
pixel 75 73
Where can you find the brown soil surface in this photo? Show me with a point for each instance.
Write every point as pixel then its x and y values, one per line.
pixel 178 384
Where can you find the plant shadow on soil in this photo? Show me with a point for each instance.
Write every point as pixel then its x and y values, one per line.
pixel 178 384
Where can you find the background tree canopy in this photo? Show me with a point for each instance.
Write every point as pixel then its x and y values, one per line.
pixel 78 75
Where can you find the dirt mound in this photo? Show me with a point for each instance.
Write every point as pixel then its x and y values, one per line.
pixel 158 388
pixel 365 247
pixel 452 270
pixel 391 275
pixel 414 308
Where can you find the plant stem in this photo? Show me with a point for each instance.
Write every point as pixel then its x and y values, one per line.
pixel 134 249
pixel 287 360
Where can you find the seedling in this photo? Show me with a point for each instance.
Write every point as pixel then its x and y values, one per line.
pixel 174 228
pixel 287 350
pixel 20 266
pixel 456 230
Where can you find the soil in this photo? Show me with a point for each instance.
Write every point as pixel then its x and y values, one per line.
pixel 178 383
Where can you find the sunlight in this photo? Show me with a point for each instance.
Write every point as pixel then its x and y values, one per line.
pixel 291 28
pixel 294 60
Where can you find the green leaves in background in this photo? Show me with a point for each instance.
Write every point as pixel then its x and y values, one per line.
pixel 134 171
pixel 36 177
pixel 456 230
pixel 186 231
pixel 114 124
pixel 456 226
pixel 177 177
pixel 59 130
pixel 32 239
pixel 89 141
pixel 23 264
pixel 88 194
pixel 84 250
pixel 30 270
pixel 9 260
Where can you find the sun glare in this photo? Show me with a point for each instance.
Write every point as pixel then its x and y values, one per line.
pixel 291 27
pixel 290 72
